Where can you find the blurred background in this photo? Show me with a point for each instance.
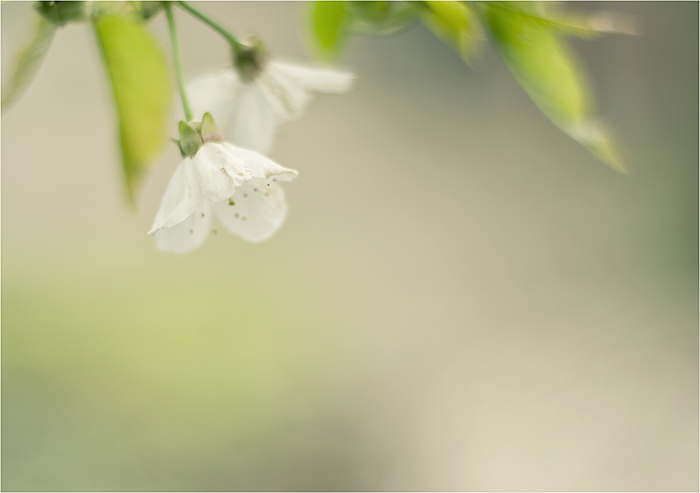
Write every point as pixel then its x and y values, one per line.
pixel 461 298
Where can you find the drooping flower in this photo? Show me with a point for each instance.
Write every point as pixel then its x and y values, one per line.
pixel 250 99
pixel 238 186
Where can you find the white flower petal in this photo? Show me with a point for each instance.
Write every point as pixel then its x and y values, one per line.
pixel 219 171
pixel 316 79
pixel 259 165
pixel 248 114
pixel 287 96
pixel 187 234
pixel 252 119
pixel 256 210
pixel 215 93
pixel 181 198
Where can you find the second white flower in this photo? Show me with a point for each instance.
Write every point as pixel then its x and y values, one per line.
pixel 249 101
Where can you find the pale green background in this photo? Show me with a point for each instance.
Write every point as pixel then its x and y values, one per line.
pixel 462 298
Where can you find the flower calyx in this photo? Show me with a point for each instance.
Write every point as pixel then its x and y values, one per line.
pixel 147 9
pixel 59 13
pixel 250 60
pixel 194 135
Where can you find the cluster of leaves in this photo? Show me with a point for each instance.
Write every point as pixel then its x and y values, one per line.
pixel 529 37
pixel 135 64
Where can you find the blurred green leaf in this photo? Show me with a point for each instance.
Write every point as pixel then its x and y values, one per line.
pixel 372 11
pixel 380 18
pixel 583 25
pixel 329 23
pixel 455 23
pixel 28 61
pixel 543 65
pixel 141 84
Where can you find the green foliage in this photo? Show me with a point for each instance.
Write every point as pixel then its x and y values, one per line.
pixel 527 35
pixel 329 25
pixel 141 84
pixel 543 65
pixel 331 22
pixel 565 22
pixel 372 11
pixel 28 61
pixel 380 18
pixel 455 23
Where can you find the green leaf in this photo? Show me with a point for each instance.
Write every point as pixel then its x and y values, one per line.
pixel 329 23
pixel 543 65
pixel 455 24
pixel 380 18
pixel 372 11
pixel 142 91
pixel 586 25
pixel 28 61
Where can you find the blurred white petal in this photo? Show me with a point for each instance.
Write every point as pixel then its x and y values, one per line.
pixel 248 113
pixel 315 79
pixel 214 93
pixel 252 119
pixel 287 96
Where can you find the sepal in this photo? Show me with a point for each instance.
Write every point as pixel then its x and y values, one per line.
pixel 190 140
pixel 209 131
pixel 194 135
pixel 60 13
pixel 147 9
pixel 250 60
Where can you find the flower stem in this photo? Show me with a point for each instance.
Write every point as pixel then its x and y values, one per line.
pixel 178 62
pixel 235 44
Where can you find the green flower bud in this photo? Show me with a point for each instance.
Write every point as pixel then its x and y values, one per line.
pixel 250 60
pixel 59 13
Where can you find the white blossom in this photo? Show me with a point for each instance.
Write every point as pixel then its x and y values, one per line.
pixel 240 187
pixel 249 111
